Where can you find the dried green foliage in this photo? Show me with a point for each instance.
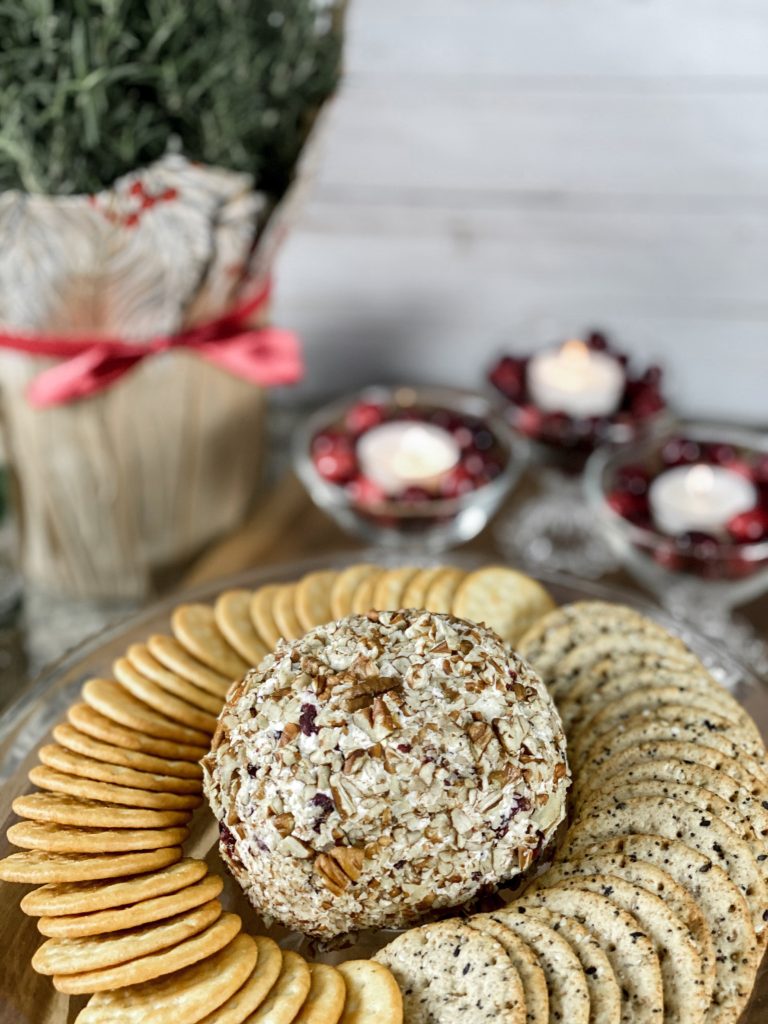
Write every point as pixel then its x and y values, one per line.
pixel 91 89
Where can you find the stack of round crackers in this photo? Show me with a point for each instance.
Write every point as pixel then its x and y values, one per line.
pixel 655 907
pixel 127 919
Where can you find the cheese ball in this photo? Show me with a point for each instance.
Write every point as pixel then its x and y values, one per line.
pixel 382 767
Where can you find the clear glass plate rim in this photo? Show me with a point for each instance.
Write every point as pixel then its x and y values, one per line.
pixel 46 679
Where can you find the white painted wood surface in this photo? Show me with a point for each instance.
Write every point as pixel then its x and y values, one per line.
pixel 499 172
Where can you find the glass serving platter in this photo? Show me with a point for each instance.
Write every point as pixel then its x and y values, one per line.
pixel 28 998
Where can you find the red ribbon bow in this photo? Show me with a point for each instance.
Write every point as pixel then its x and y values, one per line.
pixel 266 356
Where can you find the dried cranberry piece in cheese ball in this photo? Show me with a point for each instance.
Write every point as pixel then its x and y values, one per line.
pixel 381 767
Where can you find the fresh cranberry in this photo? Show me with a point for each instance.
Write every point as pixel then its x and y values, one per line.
pixel 647 402
pixel 652 376
pixel 529 420
pixel 307 717
pixel 742 467
pixel 463 437
pixel 633 507
pixel 632 478
pixel 749 527
pixel 557 426
pixel 666 555
pixel 327 441
pixel 701 546
pixel 334 457
pixel 337 467
pixel 760 471
pixel 456 482
pixel 739 568
pixel 597 426
pixel 492 467
pixel 597 341
pixel 446 419
pixel 415 495
pixel 227 838
pixel 364 491
pixel 474 463
pixel 362 416
pixel 720 454
pixel 482 439
pixel 509 377
pixel 680 451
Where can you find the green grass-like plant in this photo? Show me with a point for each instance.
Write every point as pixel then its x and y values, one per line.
pixel 92 89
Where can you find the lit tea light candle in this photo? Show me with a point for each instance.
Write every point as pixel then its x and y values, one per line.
pixel 699 497
pixel 404 454
pixel 576 380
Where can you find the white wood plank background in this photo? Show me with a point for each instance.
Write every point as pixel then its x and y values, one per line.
pixel 498 172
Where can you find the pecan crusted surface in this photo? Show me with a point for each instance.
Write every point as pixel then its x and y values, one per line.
pixel 382 766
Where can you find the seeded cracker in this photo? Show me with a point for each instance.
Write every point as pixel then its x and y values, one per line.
pixel 653 879
pixel 685 998
pixel 525 962
pixel 449 972
pixel 604 991
pixel 723 907
pixel 628 948
pixel 566 982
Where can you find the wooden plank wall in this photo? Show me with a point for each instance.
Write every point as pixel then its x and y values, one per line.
pixel 498 172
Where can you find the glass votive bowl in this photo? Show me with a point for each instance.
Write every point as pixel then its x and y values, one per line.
pixel 564 440
pixel 455 506
pixel 729 565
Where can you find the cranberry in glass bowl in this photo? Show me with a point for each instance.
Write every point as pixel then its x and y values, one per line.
pixel 688 504
pixel 592 405
pixel 406 467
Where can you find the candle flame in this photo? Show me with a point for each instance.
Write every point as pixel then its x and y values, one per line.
pixel 575 349
pixel 699 481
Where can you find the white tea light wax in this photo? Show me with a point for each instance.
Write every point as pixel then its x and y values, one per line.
pixel 699 497
pixel 405 454
pixel 576 380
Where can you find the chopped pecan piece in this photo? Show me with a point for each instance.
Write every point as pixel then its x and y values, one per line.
pixel 284 824
pixel 481 735
pixel 363 689
pixel 290 732
pixel 350 859
pixel 353 762
pixel 330 874
pixel 339 867
pixel 524 859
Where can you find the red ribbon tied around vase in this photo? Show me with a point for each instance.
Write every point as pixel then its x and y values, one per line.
pixel 267 356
